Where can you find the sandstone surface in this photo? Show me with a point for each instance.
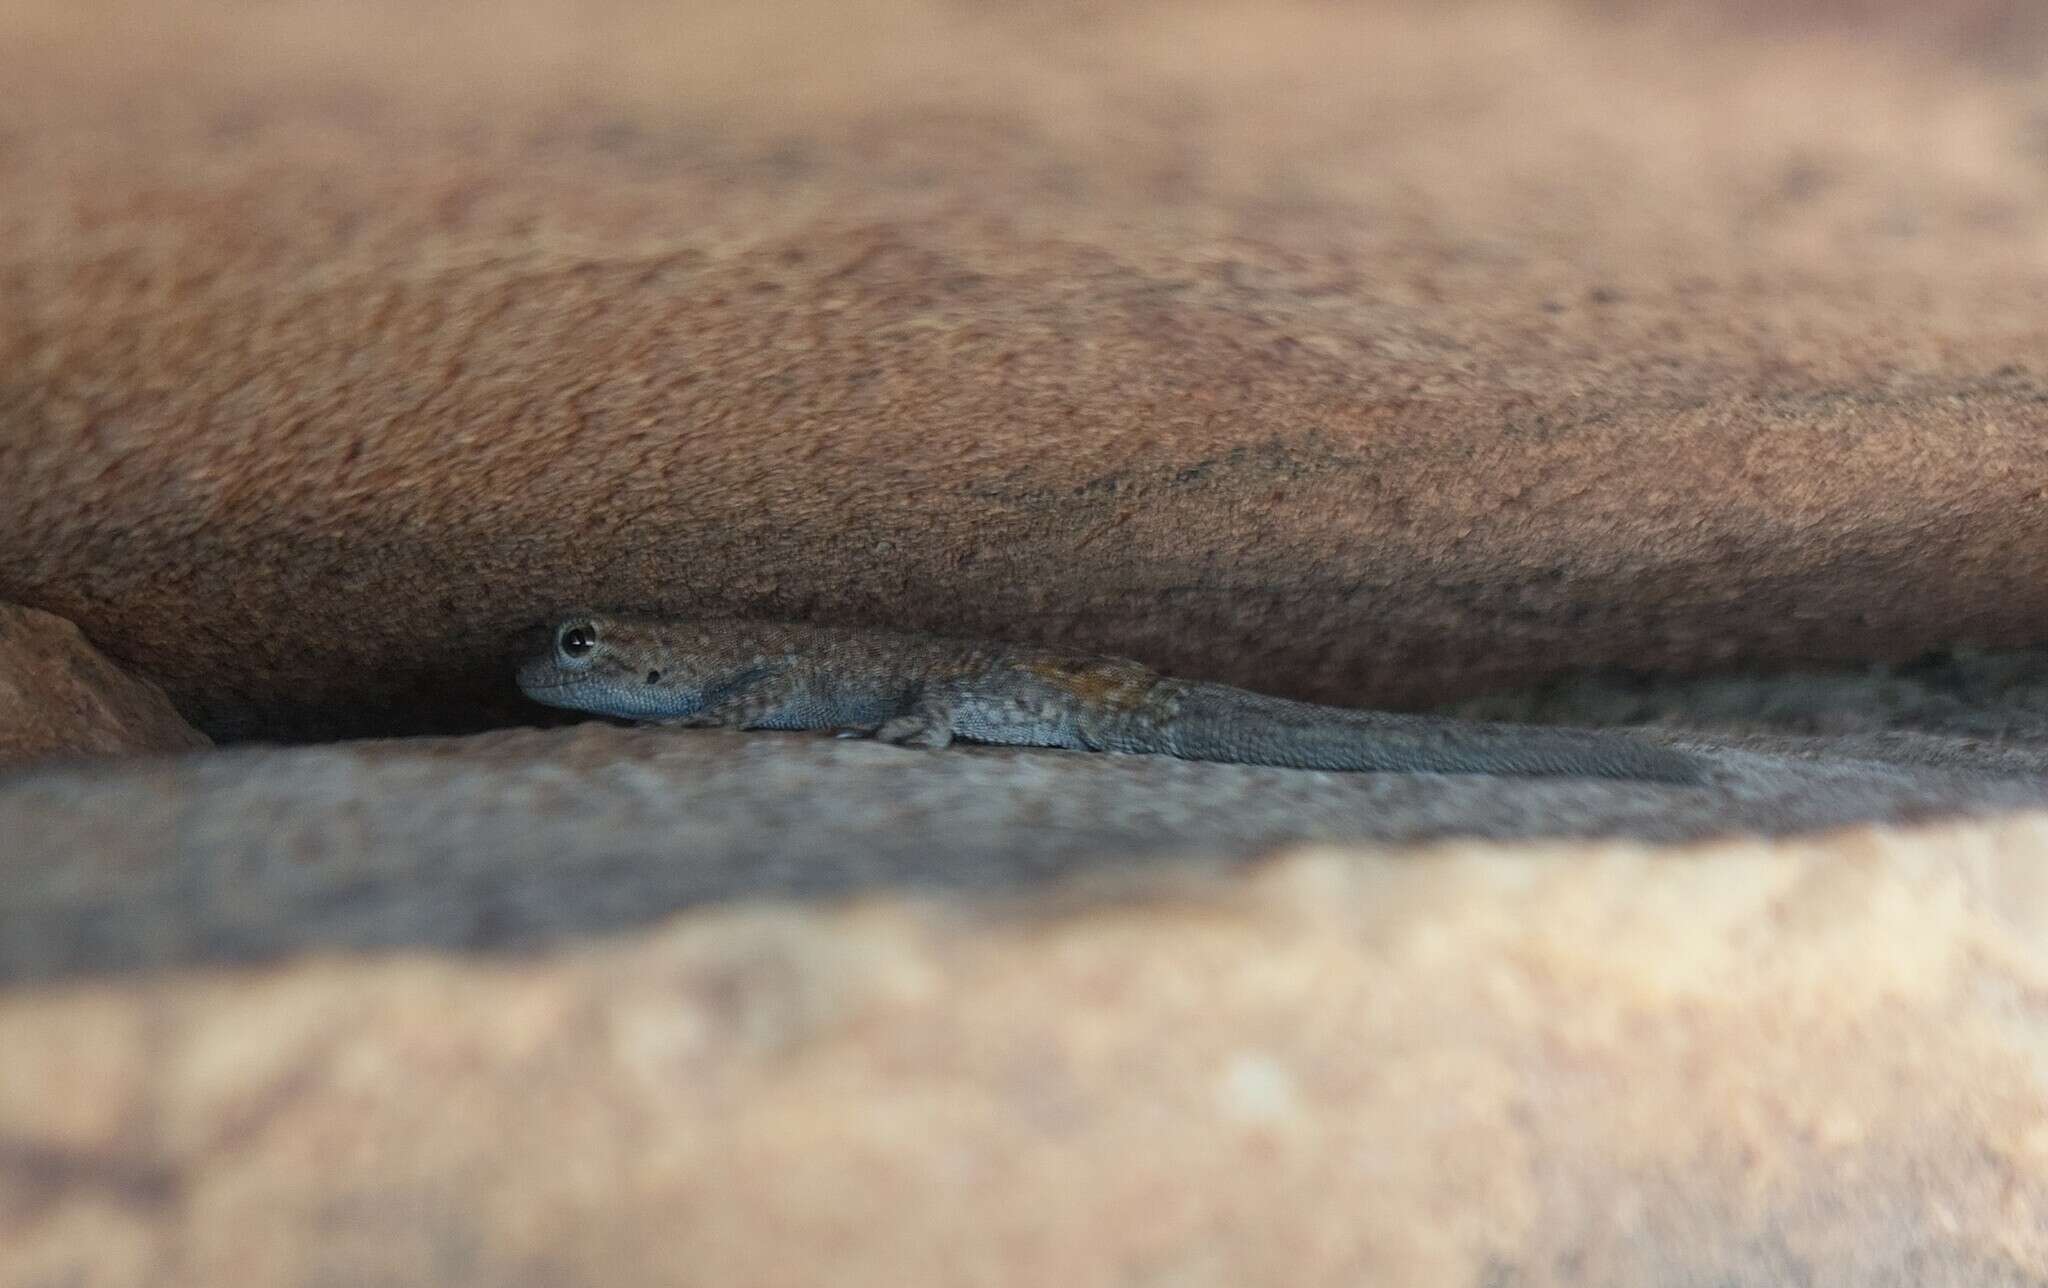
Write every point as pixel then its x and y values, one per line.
pixel 60 697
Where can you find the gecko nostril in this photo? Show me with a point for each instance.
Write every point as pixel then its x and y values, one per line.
pixel 654 677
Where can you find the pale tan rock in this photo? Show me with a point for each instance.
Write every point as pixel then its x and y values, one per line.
pixel 1819 1061
pixel 60 697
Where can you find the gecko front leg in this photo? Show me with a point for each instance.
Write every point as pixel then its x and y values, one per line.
pixel 927 722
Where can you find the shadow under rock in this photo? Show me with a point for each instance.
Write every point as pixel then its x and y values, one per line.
pixel 516 839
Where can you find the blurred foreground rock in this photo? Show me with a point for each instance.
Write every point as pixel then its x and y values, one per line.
pixel 1819 1061
pixel 585 1006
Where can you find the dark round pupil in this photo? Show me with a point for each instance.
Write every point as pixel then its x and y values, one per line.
pixel 578 640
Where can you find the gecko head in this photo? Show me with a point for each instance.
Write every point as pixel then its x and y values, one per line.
pixel 607 666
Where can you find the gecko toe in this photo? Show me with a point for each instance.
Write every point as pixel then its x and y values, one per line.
pixel 915 731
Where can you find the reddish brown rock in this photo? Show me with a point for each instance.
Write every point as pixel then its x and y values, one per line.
pixel 1379 352
pixel 60 697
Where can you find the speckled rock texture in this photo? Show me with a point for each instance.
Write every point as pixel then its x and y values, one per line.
pixel 1377 352
pixel 61 698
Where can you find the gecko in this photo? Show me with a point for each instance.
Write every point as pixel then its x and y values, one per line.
pixel 920 690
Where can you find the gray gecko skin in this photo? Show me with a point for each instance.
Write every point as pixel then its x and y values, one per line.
pixel 927 690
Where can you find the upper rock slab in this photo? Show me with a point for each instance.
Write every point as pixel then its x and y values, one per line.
pixel 1381 353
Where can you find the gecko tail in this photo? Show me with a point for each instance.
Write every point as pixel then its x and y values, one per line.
pixel 1218 723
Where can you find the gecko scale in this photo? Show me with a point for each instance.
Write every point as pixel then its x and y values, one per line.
pixel 928 690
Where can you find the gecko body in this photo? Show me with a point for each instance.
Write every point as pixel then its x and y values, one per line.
pixel 926 691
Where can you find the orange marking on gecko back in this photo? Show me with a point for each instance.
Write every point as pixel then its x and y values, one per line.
pixel 1117 686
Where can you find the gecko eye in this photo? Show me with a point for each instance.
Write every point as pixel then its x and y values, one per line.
pixel 654 677
pixel 577 641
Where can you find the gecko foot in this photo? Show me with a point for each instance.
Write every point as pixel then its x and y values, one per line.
pixel 918 730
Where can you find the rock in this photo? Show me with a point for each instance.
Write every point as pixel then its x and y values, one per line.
pixel 1383 353
pixel 60 697
pixel 525 838
pixel 1815 1061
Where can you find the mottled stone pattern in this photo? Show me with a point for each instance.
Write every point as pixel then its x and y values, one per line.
pixel 61 698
